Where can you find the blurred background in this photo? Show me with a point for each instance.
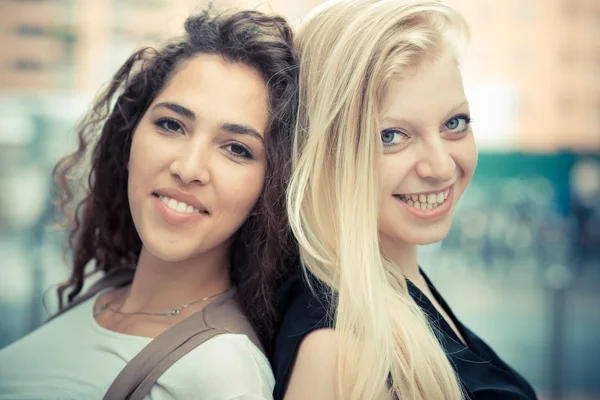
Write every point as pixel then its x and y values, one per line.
pixel 521 265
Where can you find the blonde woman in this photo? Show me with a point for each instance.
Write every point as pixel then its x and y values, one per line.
pixel 384 151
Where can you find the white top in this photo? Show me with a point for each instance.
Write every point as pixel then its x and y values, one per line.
pixel 73 357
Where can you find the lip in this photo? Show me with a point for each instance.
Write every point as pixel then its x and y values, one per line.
pixel 449 187
pixel 174 217
pixel 185 197
pixel 434 213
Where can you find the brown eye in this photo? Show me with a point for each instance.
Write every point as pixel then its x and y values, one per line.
pixel 239 150
pixel 169 124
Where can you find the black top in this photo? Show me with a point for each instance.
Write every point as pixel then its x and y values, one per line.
pixel 483 374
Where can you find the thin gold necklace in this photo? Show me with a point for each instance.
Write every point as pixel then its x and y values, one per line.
pixel 170 313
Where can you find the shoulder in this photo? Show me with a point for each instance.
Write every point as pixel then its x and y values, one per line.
pixel 302 309
pixel 302 312
pixel 315 371
pixel 226 366
pixel 313 374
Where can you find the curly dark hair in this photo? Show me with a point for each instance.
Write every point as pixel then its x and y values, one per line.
pixel 103 232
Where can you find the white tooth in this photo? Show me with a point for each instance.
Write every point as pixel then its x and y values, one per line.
pixel 189 209
pixel 440 198
pixel 429 206
pixel 181 207
pixel 446 194
pixel 414 197
pixel 196 210
pixel 410 202
pixel 172 204
pixel 422 198
pixel 165 200
pixel 423 206
pixel 431 198
pixel 417 205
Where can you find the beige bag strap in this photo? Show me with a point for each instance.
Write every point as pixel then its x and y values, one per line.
pixel 115 278
pixel 223 315
pixel 139 375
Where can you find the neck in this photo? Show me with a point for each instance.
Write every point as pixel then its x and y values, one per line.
pixel 404 256
pixel 160 285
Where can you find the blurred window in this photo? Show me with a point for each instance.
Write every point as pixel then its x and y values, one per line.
pixel 524 10
pixel 28 65
pixel 31 30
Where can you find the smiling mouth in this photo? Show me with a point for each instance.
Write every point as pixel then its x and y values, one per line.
pixel 424 201
pixel 179 206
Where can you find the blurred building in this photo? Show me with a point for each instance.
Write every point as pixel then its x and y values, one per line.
pixel 53 45
pixel 72 44
pixel 37 44
pixel 537 64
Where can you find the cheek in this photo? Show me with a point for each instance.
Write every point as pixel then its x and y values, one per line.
pixel 139 160
pixel 148 158
pixel 467 155
pixel 140 153
pixel 150 153
pixel 240 191
pixel 394 169
pixel 134 164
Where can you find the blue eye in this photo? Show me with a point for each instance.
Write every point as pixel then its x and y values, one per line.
pixel 169 124
pixel 392 137
pixel 458 123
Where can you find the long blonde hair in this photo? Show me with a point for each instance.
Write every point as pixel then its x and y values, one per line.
pixel 349 50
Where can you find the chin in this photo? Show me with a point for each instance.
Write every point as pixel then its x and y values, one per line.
pixel 428 240
pixel 425 236
pixel 171 254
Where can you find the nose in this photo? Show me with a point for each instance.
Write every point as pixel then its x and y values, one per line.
pixel 192 163
pixel 436 163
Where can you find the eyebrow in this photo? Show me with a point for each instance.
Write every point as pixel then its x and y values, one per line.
pixel 231 128
pixel 402 121
pixel 242 130
pixel 178 109
pixel 457 107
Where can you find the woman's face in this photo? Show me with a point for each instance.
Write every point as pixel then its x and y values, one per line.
pixel 198 159
pixel 429 153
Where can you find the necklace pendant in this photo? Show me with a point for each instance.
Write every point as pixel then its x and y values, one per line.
pixel 174 311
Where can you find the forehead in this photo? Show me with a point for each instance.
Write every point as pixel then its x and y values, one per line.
pixel 219 91
pixel 427 90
